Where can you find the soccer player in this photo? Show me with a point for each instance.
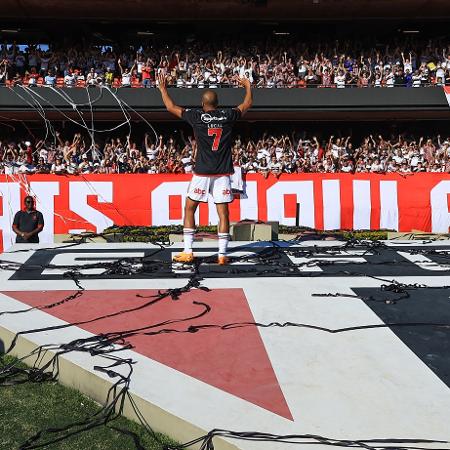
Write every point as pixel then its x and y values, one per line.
pixel 213 165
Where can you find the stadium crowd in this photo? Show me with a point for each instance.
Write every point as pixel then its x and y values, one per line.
pixel 269 155
pixel 201 63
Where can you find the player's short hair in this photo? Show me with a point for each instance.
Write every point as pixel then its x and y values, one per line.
pixel 210 98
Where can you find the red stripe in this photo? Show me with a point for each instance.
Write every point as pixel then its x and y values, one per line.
pixel 175 207
pixel 347 202
pixel 376 204
pixel 318 204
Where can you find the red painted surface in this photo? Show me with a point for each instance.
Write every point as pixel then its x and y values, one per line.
pixel 234 360
pixel 290 205
pixel 175 207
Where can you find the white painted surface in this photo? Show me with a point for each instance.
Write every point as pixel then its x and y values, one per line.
pixel 361 204
pixel 304 190
pixel 78 201
pixel 44 193
pixel 388 205
pixel 331 190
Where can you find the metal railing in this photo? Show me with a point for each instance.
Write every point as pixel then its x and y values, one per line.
pixel 152 85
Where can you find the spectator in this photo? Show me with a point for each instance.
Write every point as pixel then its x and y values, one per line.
pixel 270 155
pixel 58 167
pixel 92 78
pixel 3 71
pixel 109 77
pixel 197 62
pixel 147 71
pixel 32 77
pixel 70 80
pixel 126 75
pixel 50 79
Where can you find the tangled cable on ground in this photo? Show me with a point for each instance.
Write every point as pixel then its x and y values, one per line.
pixel 111 345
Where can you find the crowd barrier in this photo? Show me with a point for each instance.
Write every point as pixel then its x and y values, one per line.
pixel 326 201
pixel 103 99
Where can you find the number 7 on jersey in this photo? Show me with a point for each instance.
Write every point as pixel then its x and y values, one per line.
pixel 217 133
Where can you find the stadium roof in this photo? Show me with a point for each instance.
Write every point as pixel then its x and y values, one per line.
pixel 182 10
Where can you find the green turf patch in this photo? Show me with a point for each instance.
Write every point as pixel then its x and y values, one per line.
pixel 27 408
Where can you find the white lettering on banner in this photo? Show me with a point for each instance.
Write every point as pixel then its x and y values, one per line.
pixel 331 197
pixel 10 193
pixel 388 205
pixel 78 193
pixel 45 192
pixel 63 191
pixel 160 202
pixel 361 205
pixel 249 201
pixel 440 217
pixel 305 196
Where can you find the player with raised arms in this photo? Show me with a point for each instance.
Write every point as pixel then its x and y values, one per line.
pixel 213 164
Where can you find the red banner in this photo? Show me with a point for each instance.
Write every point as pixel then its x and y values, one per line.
pixel 327 201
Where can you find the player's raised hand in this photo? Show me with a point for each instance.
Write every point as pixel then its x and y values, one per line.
pixel 244 82
pixel 162 81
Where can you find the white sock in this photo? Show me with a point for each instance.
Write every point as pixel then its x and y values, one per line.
pixel 223 243
pixel 188 238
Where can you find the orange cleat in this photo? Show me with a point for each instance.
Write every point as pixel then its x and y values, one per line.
pixel 184 258
pixel 223 260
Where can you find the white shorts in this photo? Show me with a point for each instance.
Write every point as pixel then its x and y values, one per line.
pixel 218 186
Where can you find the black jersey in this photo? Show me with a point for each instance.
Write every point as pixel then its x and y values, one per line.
pixel 212 132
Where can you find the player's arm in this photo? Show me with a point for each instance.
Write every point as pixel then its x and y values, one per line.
pixel 248 100
pixel 168 102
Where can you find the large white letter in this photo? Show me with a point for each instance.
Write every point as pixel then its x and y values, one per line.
pixel 361 205
pixel 45 192
pixel 388 205
pixel 10 193
pixel 331 190
pixel 305 196
pixel 440 218
pixel 78 192
pixel 249 201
